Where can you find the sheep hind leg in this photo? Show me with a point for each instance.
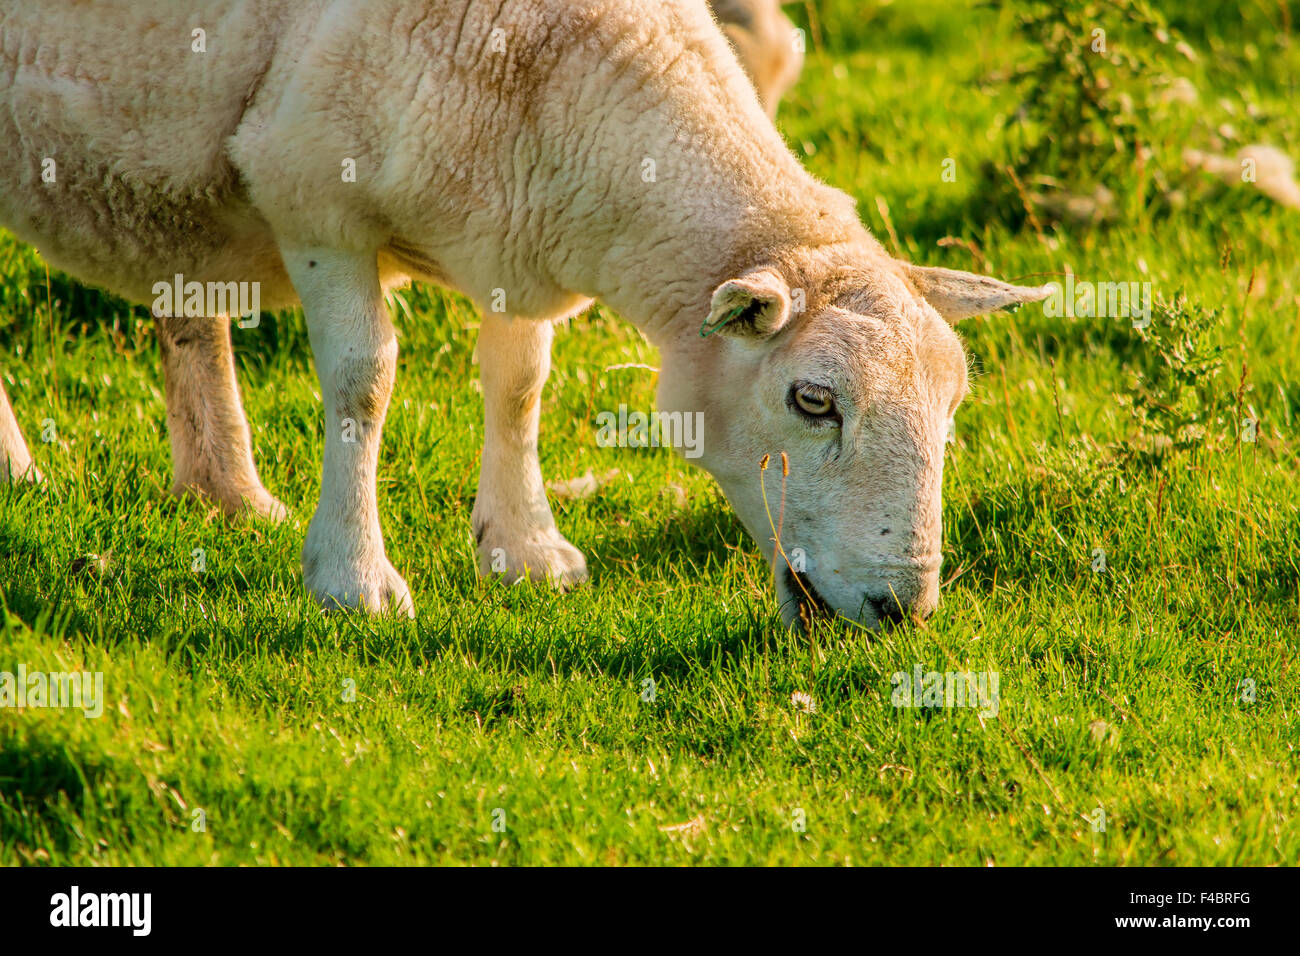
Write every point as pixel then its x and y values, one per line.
pixel 211 448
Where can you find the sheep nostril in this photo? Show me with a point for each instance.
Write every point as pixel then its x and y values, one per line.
pixel 894 611
pixel 888 609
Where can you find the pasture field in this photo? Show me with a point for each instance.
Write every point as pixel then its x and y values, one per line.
pixel 1148 708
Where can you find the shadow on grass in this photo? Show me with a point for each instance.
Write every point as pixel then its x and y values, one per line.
pixel 43 790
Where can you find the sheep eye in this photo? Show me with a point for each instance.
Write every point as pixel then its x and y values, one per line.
pixel 814 401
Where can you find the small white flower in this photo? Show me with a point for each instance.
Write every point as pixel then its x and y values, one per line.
pixel 803 702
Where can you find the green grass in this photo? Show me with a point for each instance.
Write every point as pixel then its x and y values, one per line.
pixel 1119 690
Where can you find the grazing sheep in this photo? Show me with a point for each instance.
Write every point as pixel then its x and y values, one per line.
pixel 766 42
pixel 1267 167
pixel 535 155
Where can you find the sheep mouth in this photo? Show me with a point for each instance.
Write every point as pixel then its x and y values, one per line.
pixel 811 605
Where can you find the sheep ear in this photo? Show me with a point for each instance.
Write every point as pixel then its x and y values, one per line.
pixel 959 295
pixel 755 305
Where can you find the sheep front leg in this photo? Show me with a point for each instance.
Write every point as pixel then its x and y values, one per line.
pixel 512 519
pixel 343 559
pixel 15 460
pixel 212 453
